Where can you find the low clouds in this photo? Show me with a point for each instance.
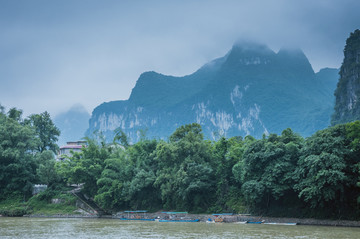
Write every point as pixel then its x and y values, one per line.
pixel 54 54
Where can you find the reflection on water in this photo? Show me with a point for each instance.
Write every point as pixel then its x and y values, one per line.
pixel 112 228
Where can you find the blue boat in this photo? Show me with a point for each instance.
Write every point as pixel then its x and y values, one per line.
pixel 256 222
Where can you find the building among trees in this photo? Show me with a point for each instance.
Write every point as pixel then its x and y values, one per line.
pixel 67 150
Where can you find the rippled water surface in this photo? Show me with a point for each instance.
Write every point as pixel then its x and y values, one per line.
pixel 112 228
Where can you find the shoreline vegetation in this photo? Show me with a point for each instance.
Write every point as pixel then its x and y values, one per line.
pixel 282 175
pixel 74 208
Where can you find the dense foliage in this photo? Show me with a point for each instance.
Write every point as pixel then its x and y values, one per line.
pixel 24 156
pixel 282 175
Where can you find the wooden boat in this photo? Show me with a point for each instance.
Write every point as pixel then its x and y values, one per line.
pixel 242 222
pixel 139 215
pixel 218 217
pixel 173 217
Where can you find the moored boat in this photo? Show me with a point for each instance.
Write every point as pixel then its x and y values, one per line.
pixel 219 217
pixel 179 220
pixel 176 217
pixel 139 215
pixel 241 222
pixel 255 222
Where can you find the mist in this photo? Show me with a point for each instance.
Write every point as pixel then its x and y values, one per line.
pixel 54 54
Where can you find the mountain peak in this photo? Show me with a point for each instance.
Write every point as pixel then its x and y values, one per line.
pixel 250 47
pixel 292 52
pixel 245 53
pixel 293 57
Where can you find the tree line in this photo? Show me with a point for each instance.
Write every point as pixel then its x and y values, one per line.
pixel 279 175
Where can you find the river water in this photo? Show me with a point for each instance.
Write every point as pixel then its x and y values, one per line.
pixel 112 228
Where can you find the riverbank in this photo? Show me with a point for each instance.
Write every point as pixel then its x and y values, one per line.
pixel 243 218
pixel 226 218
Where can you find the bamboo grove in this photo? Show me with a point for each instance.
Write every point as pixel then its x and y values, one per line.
pixel 278 175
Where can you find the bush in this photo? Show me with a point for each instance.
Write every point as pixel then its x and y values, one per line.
pixel 15 212
pixel 14 207
pixel 41 203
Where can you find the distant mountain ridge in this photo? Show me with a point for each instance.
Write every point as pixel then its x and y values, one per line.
pixel 251 90
pixel 72 124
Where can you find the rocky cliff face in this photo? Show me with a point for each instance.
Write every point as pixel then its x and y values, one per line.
pixel 250 91
pixel 347 106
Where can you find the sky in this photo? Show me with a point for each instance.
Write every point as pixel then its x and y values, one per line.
pixel 59 53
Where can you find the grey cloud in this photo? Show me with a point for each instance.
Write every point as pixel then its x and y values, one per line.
pixel 54 54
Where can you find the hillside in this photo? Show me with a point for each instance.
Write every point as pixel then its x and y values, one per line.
pixel 347 107
pixel 251 90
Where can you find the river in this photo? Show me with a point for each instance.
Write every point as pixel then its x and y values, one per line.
pixel 111 228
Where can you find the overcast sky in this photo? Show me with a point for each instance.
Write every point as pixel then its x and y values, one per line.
pixel 54 54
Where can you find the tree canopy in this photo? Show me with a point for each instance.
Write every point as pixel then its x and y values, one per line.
pixel 276 175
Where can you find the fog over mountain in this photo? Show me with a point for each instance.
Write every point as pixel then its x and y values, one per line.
pixel 54 54
pixel 72 124
pixel 250 91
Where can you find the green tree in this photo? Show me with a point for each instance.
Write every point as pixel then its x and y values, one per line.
pixel 116 173
pixel 17 166
pixel 46 171
pixel 268 164
pixel 185 173
pixel 15 114
pixel 324 173
pixel 140 190
pixel 353 134
pixel 121 137
pixel 46 132
pixel 87 166
pixel 226 153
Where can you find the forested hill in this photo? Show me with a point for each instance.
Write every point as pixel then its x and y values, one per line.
pixel 250 91
pixel 347 107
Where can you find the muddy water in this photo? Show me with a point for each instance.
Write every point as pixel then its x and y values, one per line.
pixel 112 228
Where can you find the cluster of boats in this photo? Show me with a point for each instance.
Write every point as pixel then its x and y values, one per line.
pixel 140 215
